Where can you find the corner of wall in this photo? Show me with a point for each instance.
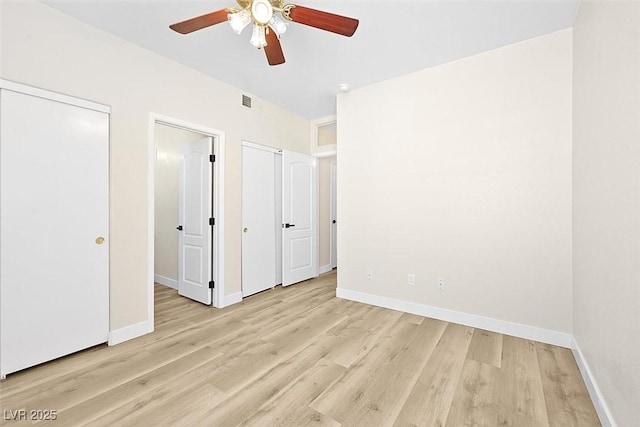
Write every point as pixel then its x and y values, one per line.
pixel 130 332
pixel 597 397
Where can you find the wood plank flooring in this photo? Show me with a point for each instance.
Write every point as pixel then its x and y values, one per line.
pixel 299 356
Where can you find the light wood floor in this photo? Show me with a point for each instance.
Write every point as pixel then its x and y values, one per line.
pixel 299 356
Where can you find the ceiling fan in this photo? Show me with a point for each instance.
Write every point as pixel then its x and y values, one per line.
pixel 267 25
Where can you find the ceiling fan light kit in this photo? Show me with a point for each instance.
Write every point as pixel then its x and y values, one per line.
pixel 278 25
pixel 262 11
pixel 267 26
pixel 239 20
pixel 258 38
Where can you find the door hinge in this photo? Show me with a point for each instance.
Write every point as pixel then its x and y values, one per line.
pixel 212 221
pixel 212 158
pixel 212 284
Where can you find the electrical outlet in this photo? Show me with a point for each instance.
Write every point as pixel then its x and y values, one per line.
pixel 411 280
pixel 441 284
pixel 369 274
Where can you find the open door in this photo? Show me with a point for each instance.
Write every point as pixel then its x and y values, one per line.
pixel 195 229
pixel 334 214
pixel 299 217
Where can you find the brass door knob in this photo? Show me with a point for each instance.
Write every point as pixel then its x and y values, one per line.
pixel 244 230
pixel 99 240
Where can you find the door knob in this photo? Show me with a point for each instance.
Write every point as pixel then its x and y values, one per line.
pixel 287 225
pixel 99 240
pixel 244 230
pixel 179 228
pixel 334 221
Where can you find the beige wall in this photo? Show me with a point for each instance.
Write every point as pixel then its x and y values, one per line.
pixel 463 173
pixel 324 206
pixel 327 135
pixel 170 143
pixel 45 48
pixel 606 200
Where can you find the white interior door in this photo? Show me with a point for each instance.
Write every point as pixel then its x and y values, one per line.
pixel 334 215
pixel 300 217
pixel 194 213
pixel 54 228
pixel 258 220
pixel 278 218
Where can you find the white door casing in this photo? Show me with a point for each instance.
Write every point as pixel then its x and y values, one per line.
pixel 334 215
pixel 219 152
pixel 258 220
pixel 194 212
pixel 54 226
pixel 300 217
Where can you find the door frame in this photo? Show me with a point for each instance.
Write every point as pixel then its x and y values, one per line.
pixel 218 204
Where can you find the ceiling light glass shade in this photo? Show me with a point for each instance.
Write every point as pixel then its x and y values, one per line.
pixel 258 38
pixel 239 20
pixel 261 11
pixel 278 25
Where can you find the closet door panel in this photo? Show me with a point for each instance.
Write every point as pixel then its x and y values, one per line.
pixel 54 229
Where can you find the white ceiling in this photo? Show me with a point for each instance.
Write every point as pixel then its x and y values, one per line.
pixel 394 38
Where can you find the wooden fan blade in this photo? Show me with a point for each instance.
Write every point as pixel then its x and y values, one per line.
pixel 324 20
pixel 200 22
pixel 273 49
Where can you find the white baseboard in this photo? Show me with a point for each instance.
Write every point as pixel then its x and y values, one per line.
pixel 130 332
pixel 606 417
pixel 165 281
pixel 231 299
pixel 534 333
pixel 324 269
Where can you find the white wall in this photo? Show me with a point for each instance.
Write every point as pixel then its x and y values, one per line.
pixel 463 171
pixel 606 200
pixel 45 48
pixel 170 143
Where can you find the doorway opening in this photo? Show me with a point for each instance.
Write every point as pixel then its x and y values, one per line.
pixel 186 212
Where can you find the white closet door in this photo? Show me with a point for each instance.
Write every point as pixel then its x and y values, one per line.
pixel 300 217
pixel 258 220
pixel 54 229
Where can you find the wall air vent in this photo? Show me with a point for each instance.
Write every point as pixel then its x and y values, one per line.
pixel 246 101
